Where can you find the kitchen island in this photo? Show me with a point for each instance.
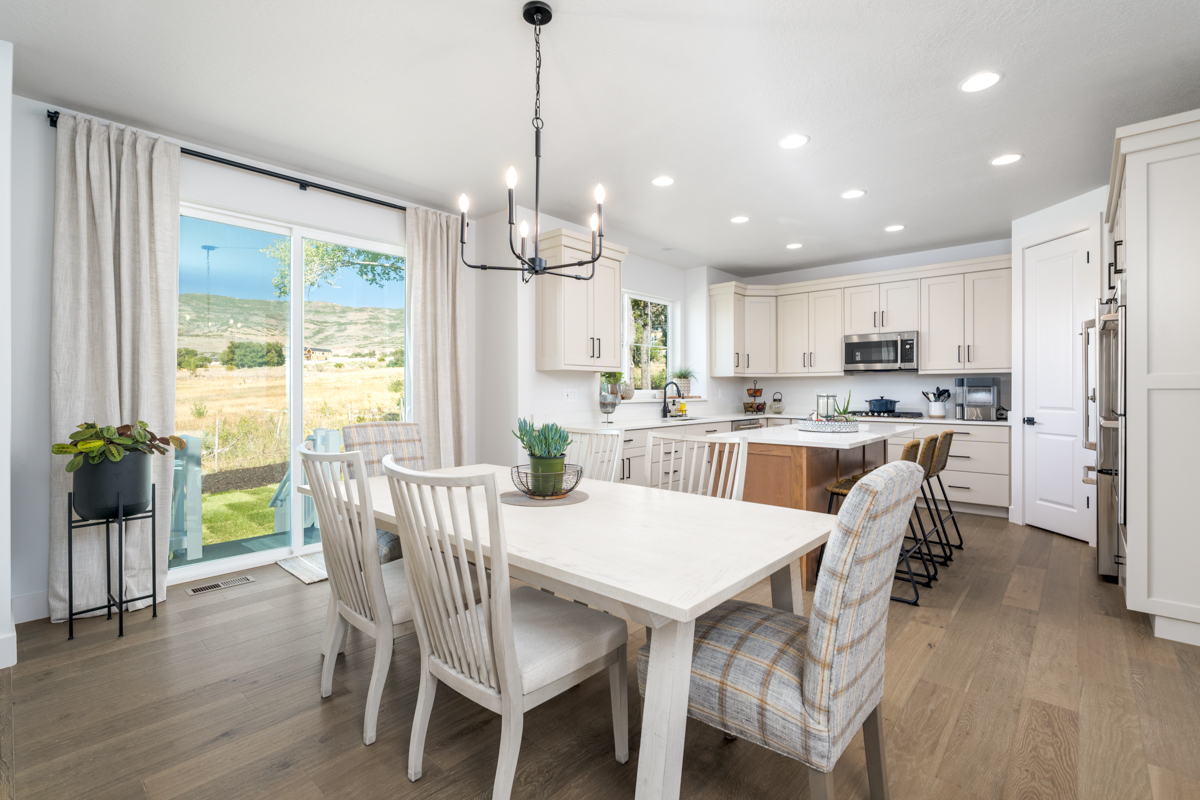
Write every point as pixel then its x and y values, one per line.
pixel 789 467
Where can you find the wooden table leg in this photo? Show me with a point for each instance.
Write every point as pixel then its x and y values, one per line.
pixel 664 713
pixel 787 587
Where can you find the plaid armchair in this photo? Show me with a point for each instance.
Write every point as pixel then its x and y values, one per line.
pixel 402 441
pixel 803 687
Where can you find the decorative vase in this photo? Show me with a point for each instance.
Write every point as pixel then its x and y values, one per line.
pixel 777 403
pixel 626 391
pixel 610 398
pixel 547 475
pixel 95 486
pixel 685 386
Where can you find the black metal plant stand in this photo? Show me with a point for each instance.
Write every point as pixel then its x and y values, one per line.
pixel 120 601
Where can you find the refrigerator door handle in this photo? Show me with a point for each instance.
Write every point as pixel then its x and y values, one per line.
pixel 1122 484
pixel 1086 479
pixel 1087 423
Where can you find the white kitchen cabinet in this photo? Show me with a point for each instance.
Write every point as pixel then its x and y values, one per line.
pixel 760 335
pixel 862 309
pixel 578 322
pixel 899 306
pixel 728 320
pixel 943 320
pixel 988 320
pixel 792 334
pixel 825 332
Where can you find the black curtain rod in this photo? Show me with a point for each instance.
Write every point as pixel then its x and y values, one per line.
pixel 303 184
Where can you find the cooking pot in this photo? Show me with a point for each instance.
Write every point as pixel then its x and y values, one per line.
pixel 882 406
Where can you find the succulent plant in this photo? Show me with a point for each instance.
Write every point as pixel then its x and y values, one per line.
pixel 99 442
pixel 548 441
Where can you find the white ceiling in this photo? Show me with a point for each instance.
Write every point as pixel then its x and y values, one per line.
pixel 426 100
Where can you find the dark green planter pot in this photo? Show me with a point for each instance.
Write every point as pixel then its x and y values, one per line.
pixel 95 486
pixel 546 479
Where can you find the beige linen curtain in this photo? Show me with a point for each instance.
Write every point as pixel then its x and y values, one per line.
pixel 437 358
pixel 114 301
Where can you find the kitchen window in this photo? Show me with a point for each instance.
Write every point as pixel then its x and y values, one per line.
pixel 647 343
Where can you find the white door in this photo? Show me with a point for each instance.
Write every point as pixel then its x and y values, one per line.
pixel 791 312
pixel 1059 291
pixel 606 313
pixel 988 321
pixel 760 335
pixel 899 306
pixel 825 332
pixel 942 319
pixel 862 309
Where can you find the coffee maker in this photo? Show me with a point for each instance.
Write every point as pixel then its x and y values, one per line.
pixel 977 398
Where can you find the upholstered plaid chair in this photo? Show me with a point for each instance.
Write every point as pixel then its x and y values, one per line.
pixel 402 441
pixel 803 686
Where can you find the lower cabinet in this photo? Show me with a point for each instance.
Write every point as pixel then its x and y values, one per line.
pixel 979 466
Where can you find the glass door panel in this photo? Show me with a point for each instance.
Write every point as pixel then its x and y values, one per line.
pixel 231 492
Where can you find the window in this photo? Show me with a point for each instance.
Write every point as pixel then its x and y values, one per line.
pixel 647 342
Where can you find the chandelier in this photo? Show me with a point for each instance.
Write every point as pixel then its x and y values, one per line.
pixel 537 13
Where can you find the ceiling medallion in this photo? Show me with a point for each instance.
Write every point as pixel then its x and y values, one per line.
pixel 537 13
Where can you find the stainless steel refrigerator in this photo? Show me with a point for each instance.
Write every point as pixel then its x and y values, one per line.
pixel 1106 333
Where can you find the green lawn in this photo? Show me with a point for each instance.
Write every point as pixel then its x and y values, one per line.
pixel 230 516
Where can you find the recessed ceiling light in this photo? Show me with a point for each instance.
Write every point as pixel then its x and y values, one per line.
pixel 793 140
pixel 795 246
pixel 894 228
pixel 739 220
pixel 1010 158
pixel 979 81
pixel 663 180
pixel 852 194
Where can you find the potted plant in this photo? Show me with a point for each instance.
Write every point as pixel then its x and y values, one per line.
pixel 108 460
pixel 683 376
pixel 547 448
pixel 618 378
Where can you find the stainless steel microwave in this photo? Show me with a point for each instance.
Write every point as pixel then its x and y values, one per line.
pixel 881 352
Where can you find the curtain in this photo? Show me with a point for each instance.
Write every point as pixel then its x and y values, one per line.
pixel 114 303
pixel 437 359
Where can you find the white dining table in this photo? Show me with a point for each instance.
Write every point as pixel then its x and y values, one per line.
pixel 658 558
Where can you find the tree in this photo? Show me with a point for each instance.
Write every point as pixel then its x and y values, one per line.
pixel 649 342
pixel 397 359
pixel 182 354
pixel 323 261
pixel 273 356
pixel 244 355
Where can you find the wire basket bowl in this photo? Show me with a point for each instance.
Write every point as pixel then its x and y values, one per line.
pixel 827 426
pixel 547 485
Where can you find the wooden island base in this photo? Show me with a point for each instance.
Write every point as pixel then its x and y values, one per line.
pixel 796 477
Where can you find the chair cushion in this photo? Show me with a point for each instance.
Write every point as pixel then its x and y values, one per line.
pixel 555 637
pixel 748 677
pixel 395 585
pixel 389 546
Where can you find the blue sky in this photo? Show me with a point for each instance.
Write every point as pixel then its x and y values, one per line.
pixel 238 268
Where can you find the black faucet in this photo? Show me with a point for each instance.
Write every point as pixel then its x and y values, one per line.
pixel 666 409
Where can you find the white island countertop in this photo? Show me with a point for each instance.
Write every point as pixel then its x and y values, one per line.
pixel 791 435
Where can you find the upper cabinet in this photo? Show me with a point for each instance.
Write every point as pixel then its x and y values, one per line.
pixel 966 322
pixel 579 322
pixel 809 333
pixel 882 307
pixel 728 324
pixel 792 334
pixel 862 309
pixel 760 335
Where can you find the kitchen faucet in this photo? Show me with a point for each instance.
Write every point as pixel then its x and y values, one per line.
pixel 666 409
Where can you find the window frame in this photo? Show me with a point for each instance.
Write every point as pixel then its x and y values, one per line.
pixel 672 348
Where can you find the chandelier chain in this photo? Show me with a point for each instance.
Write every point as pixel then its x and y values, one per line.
pixel 537 100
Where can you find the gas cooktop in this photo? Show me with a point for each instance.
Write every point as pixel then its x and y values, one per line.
pixel 893 414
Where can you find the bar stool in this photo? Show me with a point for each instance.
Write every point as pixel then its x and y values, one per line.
pixel 940 459
pixel 926 461
pixel 909 453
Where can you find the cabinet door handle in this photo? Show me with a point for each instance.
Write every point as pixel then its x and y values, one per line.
pixel 736 359
pixel 747 361
pixel 952 486
pixel 714 430
pixel 812 362
pixel 627 441
pixel 960 354
pixel 592 347
pixel 804 359
pixel 954 456
pixel 968 353
pixel 599 348
pixel 874 319
pixel 883 318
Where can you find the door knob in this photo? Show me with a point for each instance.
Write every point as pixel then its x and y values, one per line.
pixel 1029 421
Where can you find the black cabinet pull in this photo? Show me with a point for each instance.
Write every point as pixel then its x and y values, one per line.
pixel 874 319
pixel 599 348
pixel 954 456
pixel 736 360
pixel 747 361
pixel 952 486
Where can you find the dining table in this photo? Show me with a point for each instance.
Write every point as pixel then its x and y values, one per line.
pixel 654 557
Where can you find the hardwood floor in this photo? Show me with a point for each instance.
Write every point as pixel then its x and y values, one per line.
pixel 1020 675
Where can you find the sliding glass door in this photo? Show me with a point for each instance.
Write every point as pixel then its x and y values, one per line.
pixel 239 391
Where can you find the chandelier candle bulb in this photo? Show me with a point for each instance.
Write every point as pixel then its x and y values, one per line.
pixel 595 222
pixel 463 205
pixel 524 234
pixel 511 178
pixel 600 209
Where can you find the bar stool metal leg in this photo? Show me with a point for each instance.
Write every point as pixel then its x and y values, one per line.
pixel 70 573
pixel 120 568
pixel 946 499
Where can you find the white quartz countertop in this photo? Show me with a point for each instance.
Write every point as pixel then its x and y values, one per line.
pixel 788 435
pixel 642 424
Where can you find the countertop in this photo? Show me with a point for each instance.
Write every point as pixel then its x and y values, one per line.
pixel 787 435
pixel 642 424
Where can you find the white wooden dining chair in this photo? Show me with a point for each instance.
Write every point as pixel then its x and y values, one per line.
pixel 372 597
pixel 696 465
pixel 597 450
pixel 515 649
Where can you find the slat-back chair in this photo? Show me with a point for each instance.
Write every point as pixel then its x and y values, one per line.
pixel 372 597
pixel 598 451
pixel 517 647
pixel 696 465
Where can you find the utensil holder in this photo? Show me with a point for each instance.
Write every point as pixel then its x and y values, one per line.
pixel 937 410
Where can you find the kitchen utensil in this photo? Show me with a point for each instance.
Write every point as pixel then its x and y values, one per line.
pixel 882 405
pixel 777 403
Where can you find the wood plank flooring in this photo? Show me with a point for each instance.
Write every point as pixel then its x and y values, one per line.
pixel 1020 675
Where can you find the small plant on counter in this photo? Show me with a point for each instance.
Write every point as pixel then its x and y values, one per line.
pixel 842 412
pixel 683 376
pixel 97 443
pixel 607 378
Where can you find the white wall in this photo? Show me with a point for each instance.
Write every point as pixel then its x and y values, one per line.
pixel 8 634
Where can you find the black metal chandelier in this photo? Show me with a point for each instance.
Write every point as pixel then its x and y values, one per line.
pixel 537 13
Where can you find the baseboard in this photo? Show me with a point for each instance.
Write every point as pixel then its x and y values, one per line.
pixel 983 511
pixel 8 647
pixel 1177 630
pixel 29 607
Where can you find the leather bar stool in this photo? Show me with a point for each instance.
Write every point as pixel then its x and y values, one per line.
pixel 905 568
pixel 940 459
pixel 939 447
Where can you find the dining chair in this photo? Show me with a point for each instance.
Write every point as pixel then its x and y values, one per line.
pixel 804 686
pixel 376 440
pixel 597 450
pixel 696 465
pixel 363 593
pixel 515 649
